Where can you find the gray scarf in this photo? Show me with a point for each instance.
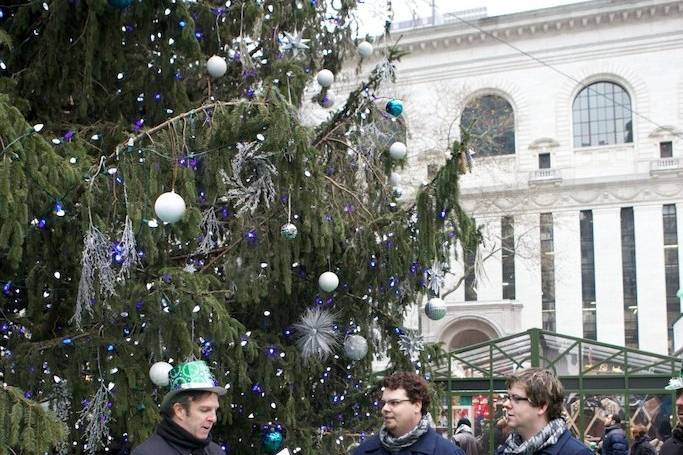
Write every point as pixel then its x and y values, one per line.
pixel 548 436
pixel 393 444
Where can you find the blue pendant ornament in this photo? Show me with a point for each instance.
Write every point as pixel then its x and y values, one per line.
pixel 272 442
pixel 394 107
pixel 120 4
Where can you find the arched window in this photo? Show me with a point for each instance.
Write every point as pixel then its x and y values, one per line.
pixel 490 123
pixel 602 115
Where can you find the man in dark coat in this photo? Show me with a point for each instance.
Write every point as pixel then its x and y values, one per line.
pixel 464 437
pixel 674 445
pixel 534 414
pixel 614 440
pixel 189 413
pixel 406 429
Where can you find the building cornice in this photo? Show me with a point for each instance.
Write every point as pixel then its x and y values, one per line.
pixel 533 24
pixel 575 195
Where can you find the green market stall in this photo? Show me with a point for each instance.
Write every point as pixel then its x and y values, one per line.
pixel 599 379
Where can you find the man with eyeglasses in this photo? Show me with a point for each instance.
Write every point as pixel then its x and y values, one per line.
pixel 406 428
pixel 674 445
pixel 533 406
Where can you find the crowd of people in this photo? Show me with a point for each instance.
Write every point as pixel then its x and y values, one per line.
pixel 533 420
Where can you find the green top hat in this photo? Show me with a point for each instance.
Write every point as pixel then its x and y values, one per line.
pixel 676 382
pixel 190 376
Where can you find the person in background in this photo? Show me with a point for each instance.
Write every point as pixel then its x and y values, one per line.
pixel 674 445
pixel 464 437
pixel 614 439
pixel 641 442
pixel 533 407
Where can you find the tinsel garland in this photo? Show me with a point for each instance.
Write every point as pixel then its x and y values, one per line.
pixel 96 416
pixel 96 263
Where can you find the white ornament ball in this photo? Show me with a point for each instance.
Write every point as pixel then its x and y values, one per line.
pixel 365 49
pixel 395 179
pixel 328 281
pixel 355 347
pixel 327 101
pixel 398 150
pixel 158 373
pixel 216 66
pixel 169 207
pixel 325 78
pixel 435 309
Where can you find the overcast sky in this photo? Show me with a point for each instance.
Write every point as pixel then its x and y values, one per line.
pixel 372 13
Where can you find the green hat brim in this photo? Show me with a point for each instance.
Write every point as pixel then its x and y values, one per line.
pixel 169 396
pixel 675 383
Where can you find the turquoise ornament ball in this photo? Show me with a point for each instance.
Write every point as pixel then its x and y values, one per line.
pixel 272 442
pixel 394 107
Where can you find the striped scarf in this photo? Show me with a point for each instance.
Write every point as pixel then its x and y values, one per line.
pixel 548 436
pixel 393 444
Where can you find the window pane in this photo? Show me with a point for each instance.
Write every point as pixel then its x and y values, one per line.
pixel 602 115
pixel 490 123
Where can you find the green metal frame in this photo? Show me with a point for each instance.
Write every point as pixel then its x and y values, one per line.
pixel 617 370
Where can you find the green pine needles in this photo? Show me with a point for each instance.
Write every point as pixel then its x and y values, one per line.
pixel 26 426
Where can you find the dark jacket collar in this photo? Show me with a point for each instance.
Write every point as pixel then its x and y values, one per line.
pixel 425 444
pixel 557 447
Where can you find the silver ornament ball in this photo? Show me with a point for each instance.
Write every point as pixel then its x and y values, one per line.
pixel 216 66
pixel 365 49
pixel 325 78
pixel 328 281
pixel 288 231
pixel 398 150
pixel 355 347
pixel 169 207
pixel 158 373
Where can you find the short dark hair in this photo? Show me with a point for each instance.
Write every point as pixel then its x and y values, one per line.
pixel 542 388
pixel 415 386
pixel 184 399
pixel 616 418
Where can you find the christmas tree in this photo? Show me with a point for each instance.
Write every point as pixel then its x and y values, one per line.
pixel 160 200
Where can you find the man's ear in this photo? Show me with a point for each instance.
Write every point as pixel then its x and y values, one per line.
pixel 542 410
pixel 178 410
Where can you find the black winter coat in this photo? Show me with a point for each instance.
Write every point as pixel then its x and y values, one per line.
pixel 642 446
pixel 156 445
pixel 673 445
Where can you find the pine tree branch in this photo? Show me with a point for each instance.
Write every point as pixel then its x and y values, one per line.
pixel 355 196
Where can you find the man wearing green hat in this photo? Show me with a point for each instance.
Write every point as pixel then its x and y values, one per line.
pixel 189 413
pixel 674 445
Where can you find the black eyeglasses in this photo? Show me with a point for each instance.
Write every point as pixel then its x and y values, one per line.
pixel 514 398
pixel 391 403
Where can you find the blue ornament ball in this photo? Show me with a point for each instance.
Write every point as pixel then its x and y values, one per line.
pixel 272 442
pixel 120 4
pixel 394 107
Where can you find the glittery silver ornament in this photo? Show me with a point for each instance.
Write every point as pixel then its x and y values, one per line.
pixel 355 347
pixel 435 309
pixel 288 231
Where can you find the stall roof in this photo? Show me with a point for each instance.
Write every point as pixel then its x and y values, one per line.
pixel 568 356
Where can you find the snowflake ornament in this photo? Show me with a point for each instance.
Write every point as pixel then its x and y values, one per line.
pixel 412 344
pixel 294 42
